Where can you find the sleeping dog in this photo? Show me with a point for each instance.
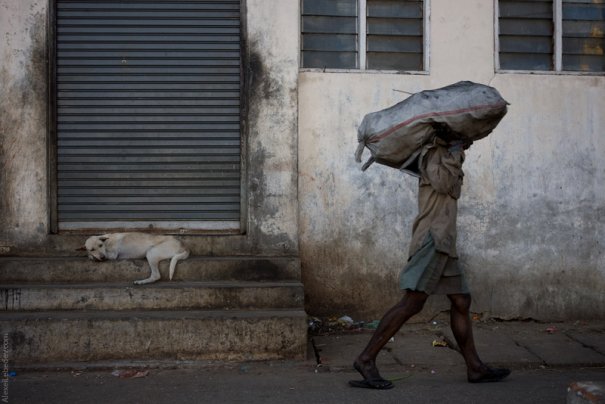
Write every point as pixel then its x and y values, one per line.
pixel 137 245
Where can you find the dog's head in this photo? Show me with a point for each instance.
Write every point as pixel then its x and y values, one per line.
pixel 95 246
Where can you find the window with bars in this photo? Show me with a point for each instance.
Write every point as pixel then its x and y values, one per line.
pixel 364 34
pixel 551 35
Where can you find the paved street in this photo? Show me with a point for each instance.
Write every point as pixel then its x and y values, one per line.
pixel 287 383
pixel 545 359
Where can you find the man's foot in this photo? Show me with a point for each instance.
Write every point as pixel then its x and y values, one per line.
pixel 371 377
pixel 371 384
pixel 488 375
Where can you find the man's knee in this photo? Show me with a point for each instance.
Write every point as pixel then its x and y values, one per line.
pixel 414 301
pixel 461 302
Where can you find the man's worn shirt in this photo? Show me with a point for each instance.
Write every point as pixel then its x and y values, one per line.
pixel 440 184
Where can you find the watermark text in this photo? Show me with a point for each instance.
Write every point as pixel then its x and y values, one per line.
pixel 5 371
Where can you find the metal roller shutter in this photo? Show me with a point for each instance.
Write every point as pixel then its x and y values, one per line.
pixel 148 114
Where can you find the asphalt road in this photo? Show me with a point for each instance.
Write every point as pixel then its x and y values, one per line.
pixel 290 382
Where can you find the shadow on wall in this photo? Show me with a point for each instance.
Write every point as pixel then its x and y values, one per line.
pixel 334 289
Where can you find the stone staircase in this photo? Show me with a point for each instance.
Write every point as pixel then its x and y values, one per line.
pixel 66 311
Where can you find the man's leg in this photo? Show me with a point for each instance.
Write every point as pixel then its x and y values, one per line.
pixel 411 304
pixel 462 328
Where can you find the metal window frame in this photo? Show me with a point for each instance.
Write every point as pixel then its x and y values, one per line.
pixel 186 228
pixel 557 16
pixel 362 45
pixel 557 41
pixel 362 36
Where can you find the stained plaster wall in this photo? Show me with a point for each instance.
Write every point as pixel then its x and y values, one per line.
pixel 532 212
pixel 271 69
pixel 23 120
pixel 531 216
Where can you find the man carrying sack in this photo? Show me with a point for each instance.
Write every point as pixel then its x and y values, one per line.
pixel 432 267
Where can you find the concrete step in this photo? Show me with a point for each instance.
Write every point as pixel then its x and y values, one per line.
pixel 73 310
pixel 158 296
pixel 77 336
pixel 195 268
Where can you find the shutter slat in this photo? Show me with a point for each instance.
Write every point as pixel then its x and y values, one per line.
pixel 192 158
pixel 137 46
pixel 175 192
pixel 153 86
pixel 150 183
pixel 144 217
pixel 148 78
pixel 84 104
pixel 123 57
pixel 216 16
pixel 92 38
pixel 178 199
pixel 176 167
pixel 150 135
pixel 156 95
pixel 225 32
pixel 134 21
pixel 150 5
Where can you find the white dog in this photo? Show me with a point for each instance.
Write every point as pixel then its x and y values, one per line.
pixel 137 245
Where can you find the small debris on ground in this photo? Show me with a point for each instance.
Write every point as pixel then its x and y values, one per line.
pixel 372 325
pixel 438 343
pixel 130 373
pixel 320 368
pixel 334 324
pixel 314 324
pixel 345 321
pixel 399 378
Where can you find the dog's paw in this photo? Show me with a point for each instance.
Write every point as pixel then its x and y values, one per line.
pixel 146 281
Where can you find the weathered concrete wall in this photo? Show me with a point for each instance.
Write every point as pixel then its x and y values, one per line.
pixel 271 68
pixel 532 211
pixel 273 111
pixel 531 216
pixel 23 85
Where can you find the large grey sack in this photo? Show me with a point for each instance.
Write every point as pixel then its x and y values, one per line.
pixel 396 135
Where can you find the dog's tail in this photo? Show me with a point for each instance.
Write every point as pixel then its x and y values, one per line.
pixel 175 259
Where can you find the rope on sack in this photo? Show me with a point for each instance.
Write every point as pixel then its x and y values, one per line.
pixel 359 151
pixel 360 147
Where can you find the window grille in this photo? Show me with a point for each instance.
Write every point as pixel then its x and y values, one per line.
pixel 364 34
pixel 553 35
